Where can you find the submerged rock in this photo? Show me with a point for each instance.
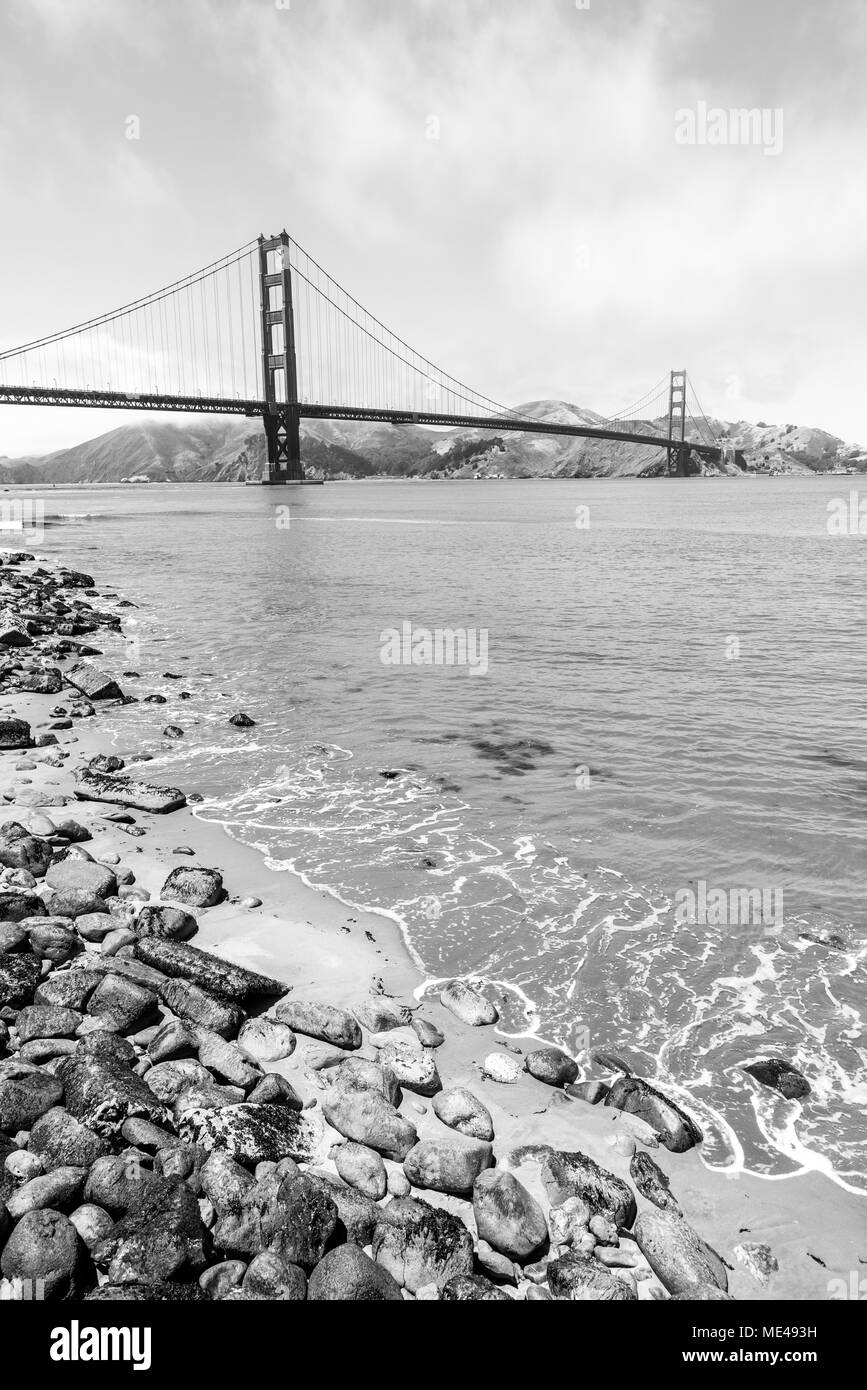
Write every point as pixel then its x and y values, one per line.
pixel 780 1076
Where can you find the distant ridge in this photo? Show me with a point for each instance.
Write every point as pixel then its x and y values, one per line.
pixel 226 449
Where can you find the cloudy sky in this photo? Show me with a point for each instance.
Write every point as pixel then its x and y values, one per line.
pixel 498 180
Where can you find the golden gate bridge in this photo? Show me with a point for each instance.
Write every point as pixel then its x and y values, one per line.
pixel 265 331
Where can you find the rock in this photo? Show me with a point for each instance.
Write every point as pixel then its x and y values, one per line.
pixel 17 907
pixel 13 937
pixel 14 733
pixel 363 1168
pixel 20 973
pixel 204 1095
pixel 96 685
pixel 468 1004
pixel 274 1089
pixel 171 923
pixel 67 989
pixel 20 849
pixel 173 1039
pixel 568 1224
pixel 323 1021
pixel 224 1181
pixel 168 1079
pixel 58 1190
pixel 92 1223
pixel 780 1076
pixel 461 1110
pixel 291 1215
pixel 220 1279
pixel 379 1013
pixel 124 791
pixel 46 1021
pixel 590 1091
pixel 160 1291
pixel 508 1217
pixel 580 1278
pixel 427 1034
pixel 144 1134
pixel 47 1253
pixel 103 1093
pixel 160 1236
pixel 348 1275
pixel 104 1043
pixel 368 1118
pixel 698 1293
pixel 677 1255
pixel 358 1074
pixel 676 1130
pixel 220 977
pixel 551 1065
pixel 268 1276
pixel 575 1174
pixel 254 1133
pixel 651 1182
pixel 419 1244
pixel 122 1003
pixel 61 1141
pixel 265 1039
pixel 398 1183
pixel 498 1067
pixel 53 940
pixel 226 1061
pixel 413 1067
pixel 759 1259
pixel 447 1165
pixel 196 1006
pixel 197 887
pixel 106 763
pixel 26 1093
pixel 242 721
pixel 472 1287
pixel 97 880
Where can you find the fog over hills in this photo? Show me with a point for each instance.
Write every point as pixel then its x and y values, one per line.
pixel 228 449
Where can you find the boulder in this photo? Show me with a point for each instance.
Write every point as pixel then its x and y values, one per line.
pixel 226 1061
pixel 420 1244
pixel 47 1254
pixel 25 1094
pixel 447 1165
pixel 13 937
pixel 46 1021
pixel 220 977
pixel 427 1033
pixel 168 1079
pixel 780 1076
pixel 171 923
pixel 357 1215
pixel 172 1039
pixel 268 1276
pixel 359 1074
pixel 16 907
pixel 58 1190
pixel 124 791
pixel 461 1110
pixel 274 1089
pixel 95 684
pixel 551 1065
pixel 123 1004
pixel 255 1133
pixel 290 1215
pixel 367 1117
pixel 379 1013
pixel 348 1275
pixel 19 849
pixel 413 1066
pixel 676 1253
pixel 195 886
pixel 97 880
pixel 68 989
pixel 14 733
pixel 53 939
pixel 580 1278
pixel 20 973
pixel 508 1217
pixel 651 1182
pixel 103 1093
pixel 266 1039
pixel 92 1223
pixel 468 1004
pixel 195 1006
pixel 324 1021
pixel 575 1174
pixel 362 1168
pixel 160 1237
pixel 468 1288
pixel 676 1130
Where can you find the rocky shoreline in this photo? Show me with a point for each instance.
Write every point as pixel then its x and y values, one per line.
pixel 176 1125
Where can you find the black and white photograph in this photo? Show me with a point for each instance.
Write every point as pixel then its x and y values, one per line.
pixel 433 679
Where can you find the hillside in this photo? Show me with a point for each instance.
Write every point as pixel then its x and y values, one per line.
pixel 216 449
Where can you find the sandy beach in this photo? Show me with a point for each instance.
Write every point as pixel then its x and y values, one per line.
pixel 328 952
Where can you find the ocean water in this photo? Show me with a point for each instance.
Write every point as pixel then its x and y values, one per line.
pixel 673 704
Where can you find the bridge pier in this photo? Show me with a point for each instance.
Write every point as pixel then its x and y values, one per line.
pixel 279 372
pixel 283 439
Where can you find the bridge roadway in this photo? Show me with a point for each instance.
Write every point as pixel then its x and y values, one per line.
pixel 233 405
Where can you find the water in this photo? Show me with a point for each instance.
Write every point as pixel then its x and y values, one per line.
pixel 675 693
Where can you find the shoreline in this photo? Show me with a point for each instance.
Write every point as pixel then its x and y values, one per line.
pixel 330 952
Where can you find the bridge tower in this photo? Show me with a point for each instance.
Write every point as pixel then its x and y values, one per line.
pixel 279 370
pixel 678 451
